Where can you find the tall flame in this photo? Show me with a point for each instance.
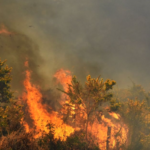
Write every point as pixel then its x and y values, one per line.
pixel 39 114
pixel 98 130
pixel 63 77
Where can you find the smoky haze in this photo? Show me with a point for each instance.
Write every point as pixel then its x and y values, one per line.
pixel 97 37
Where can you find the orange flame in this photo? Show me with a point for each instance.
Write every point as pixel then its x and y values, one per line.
pixel 27 128
pixel 5 31
pixel 39 114
pixel 114 115
pixel 98 130
pixel 64 78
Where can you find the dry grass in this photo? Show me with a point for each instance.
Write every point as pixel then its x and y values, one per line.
pixel 19 141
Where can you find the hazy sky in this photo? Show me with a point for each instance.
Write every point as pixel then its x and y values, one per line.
pixel 97 37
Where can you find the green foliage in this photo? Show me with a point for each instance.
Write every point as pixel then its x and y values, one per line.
pixel 10 118
pixel 5 78
pixel 47 141
pixel 91 96
pixel 114 105
pixel 136 111
pixel 10 111
pixel 134 115
pixel 94 91
pixel 19 141
pixel 74 142
pixel 84 105
pixel 85 101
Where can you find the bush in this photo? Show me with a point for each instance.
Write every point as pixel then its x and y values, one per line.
pixel 19 141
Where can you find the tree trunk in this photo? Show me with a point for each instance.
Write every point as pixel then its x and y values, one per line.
pixel 108 138
pixel 87 127
pixel 86 147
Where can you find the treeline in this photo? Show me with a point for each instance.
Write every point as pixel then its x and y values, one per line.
pixel 86 103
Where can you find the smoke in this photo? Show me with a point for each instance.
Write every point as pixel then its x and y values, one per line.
pixel 107 38
pixel 16 49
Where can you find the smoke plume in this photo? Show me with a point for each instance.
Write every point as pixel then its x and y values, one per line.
pixel 107 38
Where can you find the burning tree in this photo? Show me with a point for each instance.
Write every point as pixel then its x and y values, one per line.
pixel 84 104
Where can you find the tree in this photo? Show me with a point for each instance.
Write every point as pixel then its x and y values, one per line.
pixel 5 78
pixel 10 111
pixel 10 118
pixel 134 114
pixel 85 103
pixel 134 92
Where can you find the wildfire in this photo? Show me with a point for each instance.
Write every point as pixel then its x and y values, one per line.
pixel 108 131
pixel 100 131
pixel 39 114
pixel 105 131
pixel 4 30
pixel 63 77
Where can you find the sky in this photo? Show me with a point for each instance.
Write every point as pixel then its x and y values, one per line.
pixel 97 37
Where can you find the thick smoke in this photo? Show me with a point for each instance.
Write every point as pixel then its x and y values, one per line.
pixel 108 38
pixel 16 49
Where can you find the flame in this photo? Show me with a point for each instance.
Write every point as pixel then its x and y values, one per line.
pixel 114 115
pixel 4 30
pixel 41 117
pixel 99 130
pixel 27 128
pixel 63 77
pixel 39 114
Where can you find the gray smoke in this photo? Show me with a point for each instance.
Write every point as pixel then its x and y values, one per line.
pixel 107 38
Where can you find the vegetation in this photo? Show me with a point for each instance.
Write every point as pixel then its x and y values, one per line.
pixel 10 111
pixel 85 104
pixel 5 78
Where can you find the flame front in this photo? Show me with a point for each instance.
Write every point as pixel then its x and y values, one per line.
pixel 39 114
pixel 63 77
pixel 98 130
pixel 41 117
